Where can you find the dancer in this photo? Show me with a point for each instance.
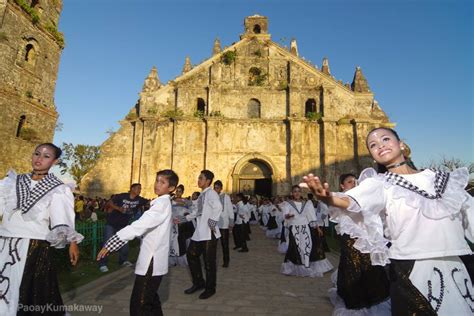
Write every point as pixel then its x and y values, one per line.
pixel 274 216
pixel 226 221
pixel 154 225
pixel 427 214
pixel 204 240
pixel 241 235
pixel 361 288
pixel 182 231
pixel 37 214
pixel 284 232
pixel 305 255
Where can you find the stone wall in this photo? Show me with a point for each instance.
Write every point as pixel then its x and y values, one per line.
pixel 255 72
pixel 29 58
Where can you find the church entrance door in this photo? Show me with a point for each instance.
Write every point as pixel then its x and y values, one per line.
pixel 256 178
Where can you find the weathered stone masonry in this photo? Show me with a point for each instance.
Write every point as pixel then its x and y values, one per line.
pixel 255 113
pixel 30 49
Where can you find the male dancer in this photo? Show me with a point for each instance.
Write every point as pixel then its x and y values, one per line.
pixel 226 221
pixel 204 240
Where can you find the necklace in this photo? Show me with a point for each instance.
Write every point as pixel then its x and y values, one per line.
pixel 38 174
pixel 396 165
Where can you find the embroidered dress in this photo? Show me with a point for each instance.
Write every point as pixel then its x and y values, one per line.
pixel 305 255
pixel 35 216
pixel 273 229
pixel 426 218
pixel 179 234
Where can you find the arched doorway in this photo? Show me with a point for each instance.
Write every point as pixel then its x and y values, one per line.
pixel 255 177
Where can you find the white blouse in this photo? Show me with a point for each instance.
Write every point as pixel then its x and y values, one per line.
pixel 51 218
pixel 304 216
pixel 417 227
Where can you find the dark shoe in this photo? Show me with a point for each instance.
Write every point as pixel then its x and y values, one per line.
pixel 244 250
pixel 193 289
pixel 206 294
pixel 236 247
pixel 225 265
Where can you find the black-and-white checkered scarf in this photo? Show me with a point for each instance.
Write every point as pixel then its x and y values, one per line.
pixel 27 197
pixel 441 181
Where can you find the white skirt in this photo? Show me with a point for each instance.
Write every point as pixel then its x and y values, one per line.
pixel 446 285
pixel 13 252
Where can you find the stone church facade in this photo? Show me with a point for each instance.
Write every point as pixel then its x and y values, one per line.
pixel 255 113
pixel 30 50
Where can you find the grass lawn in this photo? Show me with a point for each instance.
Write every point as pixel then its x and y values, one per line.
pixel 87 270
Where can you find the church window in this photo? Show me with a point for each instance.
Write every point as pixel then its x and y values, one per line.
pixel 254 109
pixel 257 29
pixel 310 107
pixel 256 77
pixel 21 123
pixel 201 105
pixel 30 54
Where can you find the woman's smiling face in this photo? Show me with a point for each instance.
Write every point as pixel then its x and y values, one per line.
pixel 384 147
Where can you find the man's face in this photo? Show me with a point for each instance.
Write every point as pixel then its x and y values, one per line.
pixel 218 189
pixel 136 190
pixel 348 183
pixel 203 182
pixel 162 185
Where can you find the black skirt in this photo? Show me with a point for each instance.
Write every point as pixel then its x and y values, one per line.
pixel 293 254
pixel 39 283
pixel 272 224
pixel 359 283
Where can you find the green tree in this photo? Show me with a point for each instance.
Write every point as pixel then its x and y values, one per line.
pixel 78 160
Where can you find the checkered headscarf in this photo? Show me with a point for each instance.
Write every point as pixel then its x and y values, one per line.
pixel 27 197
pixel 441 180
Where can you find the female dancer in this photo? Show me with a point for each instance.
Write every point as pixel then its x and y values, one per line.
pixel 182 231
pixel 305 255
pixel 427 216
pixel 37 211
pixel 361 288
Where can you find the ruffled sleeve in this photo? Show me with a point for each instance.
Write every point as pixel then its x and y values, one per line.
pixel 8 193
pixel 453 199
pixel 61 213
pixel 362 221
pixel 455 194
pixel 467 211
pixel 310 214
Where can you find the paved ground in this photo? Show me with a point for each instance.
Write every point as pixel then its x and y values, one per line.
pixel 252 285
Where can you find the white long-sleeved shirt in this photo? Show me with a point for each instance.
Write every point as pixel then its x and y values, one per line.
pixel 243 213
pixel 211 210
pixel 154 225
pixel 227 215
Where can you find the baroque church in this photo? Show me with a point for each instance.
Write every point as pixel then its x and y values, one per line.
pixel 256 114
pixel 30 50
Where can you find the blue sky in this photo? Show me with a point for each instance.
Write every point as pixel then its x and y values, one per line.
pixel 416 55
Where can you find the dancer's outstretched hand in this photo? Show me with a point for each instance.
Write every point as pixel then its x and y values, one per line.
pixel 316 186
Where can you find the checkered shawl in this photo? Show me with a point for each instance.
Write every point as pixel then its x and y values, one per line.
pixel 27 197
pixel 441 181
